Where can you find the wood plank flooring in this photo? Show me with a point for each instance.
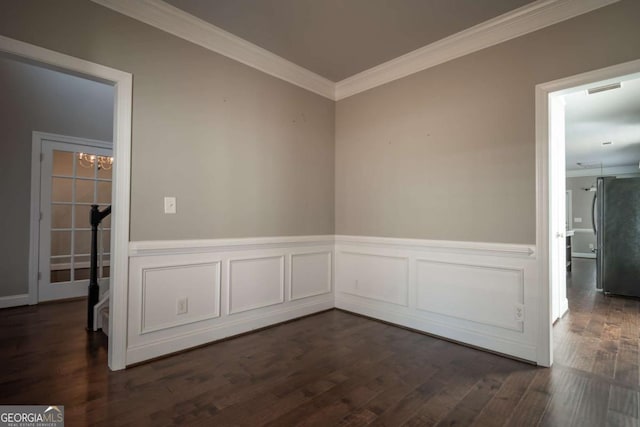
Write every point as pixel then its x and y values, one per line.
pixel 332 369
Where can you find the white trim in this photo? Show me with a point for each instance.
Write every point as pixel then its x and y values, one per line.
pixel 526 19
pixel 14 300
pixel 613 170
pixel 532 17
pixel 175 247
pixel 583 255
pixel 181 24
pixel 123 83
pixel 543 91
pixel 440 245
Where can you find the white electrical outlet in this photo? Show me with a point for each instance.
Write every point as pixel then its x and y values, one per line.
pixel 182 306
pixel 519 312
pixel 169 205
pixel 577 220
pixel 591 246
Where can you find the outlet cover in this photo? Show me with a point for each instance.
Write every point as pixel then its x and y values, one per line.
pixel 169 205
pixel 519 312
pixel 182 306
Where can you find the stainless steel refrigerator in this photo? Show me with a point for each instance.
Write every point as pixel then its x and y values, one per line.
pixel 616 223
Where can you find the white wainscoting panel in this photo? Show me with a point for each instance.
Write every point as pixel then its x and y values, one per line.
pixel 232 286
pixel 376 276
pixel 311 275
pixel 482 294
pixel 163 287
pixel 255 283
pixel 453 289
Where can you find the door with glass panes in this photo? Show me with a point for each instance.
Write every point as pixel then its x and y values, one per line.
pixel 73 177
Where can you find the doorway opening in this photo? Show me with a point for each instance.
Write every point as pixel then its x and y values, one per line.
pixel 121 83
pixel 568 146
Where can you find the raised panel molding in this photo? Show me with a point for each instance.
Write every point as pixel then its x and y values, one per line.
pixel 401 278
pixel 255 283
pixel 199 283
pixel 310 275
pixel 463 291
pixel 241 267
pixel 379 277
pixel 473 292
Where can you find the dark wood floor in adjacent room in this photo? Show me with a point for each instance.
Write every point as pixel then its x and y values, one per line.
pixel 330 369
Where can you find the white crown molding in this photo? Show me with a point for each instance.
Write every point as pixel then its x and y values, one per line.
pixel 613 170
pixel 521 21
pixel 534 16
pixel 179 23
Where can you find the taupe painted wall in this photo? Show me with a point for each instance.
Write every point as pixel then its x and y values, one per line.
pixel 37 99
pixel 245 154
pixel 449 153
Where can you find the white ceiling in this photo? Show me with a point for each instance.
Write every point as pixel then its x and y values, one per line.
pixel 613 116
pixel 339 38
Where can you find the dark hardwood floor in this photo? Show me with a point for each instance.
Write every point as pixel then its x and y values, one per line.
pixel 333 368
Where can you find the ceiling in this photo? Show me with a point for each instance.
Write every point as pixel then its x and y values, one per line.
pixel 612 116
pixel 339 38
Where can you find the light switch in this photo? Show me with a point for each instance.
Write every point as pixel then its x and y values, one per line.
pixel 169 205
pixel 577 220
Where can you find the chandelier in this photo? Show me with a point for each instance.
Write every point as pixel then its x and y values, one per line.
pixel 88 160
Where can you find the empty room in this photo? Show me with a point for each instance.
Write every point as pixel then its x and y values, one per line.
pixel 318 212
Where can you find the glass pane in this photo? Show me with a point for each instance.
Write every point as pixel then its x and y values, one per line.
pixel 106 271
pixel 106 222
pixel 104 241
pixel 62 163
pixel 104 192
pixel 105 173
pixel 84 191
pixel 58 276
pixel 60 243
pixel 82 242
pixel 60 216
pixel 81 261
pixel 60 269
pixel 83 216
pixel 61 189
pixel 81 274
pixel 85 168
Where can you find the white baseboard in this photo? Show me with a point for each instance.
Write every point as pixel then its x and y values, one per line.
pixel 467 292
pixel 14 300
pixel 583 255
pixel 517 349
pixel 227 286
pixel 222 330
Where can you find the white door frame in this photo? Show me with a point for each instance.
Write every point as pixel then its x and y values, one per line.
pixel 544 151
pixel 123 85
pixel 36 193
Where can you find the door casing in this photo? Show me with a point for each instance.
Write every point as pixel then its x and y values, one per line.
pixel 123 85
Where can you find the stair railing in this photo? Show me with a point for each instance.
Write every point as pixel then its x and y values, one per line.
pixel 96 218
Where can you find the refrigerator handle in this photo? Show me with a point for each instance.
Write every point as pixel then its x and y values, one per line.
pixel 593 213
